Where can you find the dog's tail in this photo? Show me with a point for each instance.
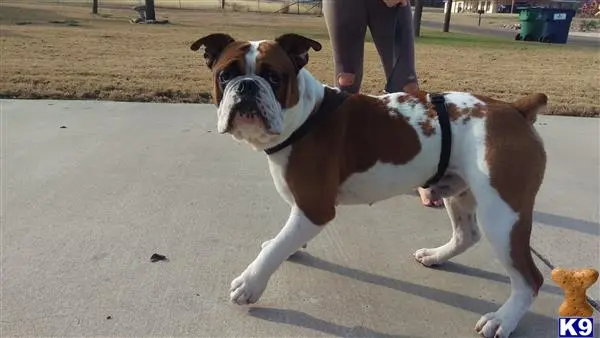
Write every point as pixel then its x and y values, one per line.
pixel 531 105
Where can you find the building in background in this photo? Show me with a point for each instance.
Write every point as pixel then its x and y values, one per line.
pixel 506 6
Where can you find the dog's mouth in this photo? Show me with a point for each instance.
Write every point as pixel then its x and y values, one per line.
pixel 247 114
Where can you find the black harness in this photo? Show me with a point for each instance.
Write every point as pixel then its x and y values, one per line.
pixel 439 103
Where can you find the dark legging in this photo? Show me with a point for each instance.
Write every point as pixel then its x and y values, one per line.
pixel 347 22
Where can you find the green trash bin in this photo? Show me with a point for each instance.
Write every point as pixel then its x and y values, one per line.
pixel 532 24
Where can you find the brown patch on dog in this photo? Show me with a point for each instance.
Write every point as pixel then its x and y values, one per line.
pixel 234 53
pixel 344 144
pixel 431 113
pixel 422 97
pixel 271 57
pixel 403 98
pixel 478 111
pixel 454 112
pixel 408 99
pixel 517 162
pixel 427 128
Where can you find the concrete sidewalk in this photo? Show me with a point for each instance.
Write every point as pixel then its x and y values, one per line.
pixel 85 207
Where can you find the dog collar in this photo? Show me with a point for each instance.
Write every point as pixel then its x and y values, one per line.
pixel 444 119
pixel 331 100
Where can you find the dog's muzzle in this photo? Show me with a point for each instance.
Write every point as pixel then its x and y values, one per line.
pixel 247 93
pixel 247 102
pixel 247 109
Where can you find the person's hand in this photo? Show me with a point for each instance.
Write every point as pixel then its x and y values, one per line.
pixel 412 89
pixel 393 3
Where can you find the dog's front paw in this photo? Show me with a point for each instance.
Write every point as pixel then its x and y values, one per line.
pixel 247 288
pixel 493 325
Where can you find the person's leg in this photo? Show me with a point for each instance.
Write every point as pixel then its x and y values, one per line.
pixel 346 23
pixel 392 48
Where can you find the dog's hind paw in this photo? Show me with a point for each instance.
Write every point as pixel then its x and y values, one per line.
pixel 428 257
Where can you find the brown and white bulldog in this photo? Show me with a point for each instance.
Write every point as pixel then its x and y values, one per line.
pixel 326 148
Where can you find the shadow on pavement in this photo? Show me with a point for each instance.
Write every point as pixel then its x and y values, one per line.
pixel 493 276
pixel 532 324
pixel 565 222
pixel 302 319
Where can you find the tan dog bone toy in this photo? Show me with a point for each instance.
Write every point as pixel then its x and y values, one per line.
pixel 574 283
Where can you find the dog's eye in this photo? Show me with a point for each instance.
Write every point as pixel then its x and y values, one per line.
pixel 272 77
pixel 225 76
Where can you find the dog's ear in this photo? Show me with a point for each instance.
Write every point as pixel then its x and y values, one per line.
pixel 213 44
pixel 297 47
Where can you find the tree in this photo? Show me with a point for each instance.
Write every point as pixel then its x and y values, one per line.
pixel 447 16
pixel 417 17
pixel 150 13
pixel 95 7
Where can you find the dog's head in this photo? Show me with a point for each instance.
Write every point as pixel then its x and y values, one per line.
pixel 255 83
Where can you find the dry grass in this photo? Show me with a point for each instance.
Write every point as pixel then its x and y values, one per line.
pixel 104 57
pixel 267 6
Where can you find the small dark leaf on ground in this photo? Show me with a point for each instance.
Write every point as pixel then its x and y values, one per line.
pixel 156 257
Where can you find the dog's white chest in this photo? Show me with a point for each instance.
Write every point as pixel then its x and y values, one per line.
pixel 277 166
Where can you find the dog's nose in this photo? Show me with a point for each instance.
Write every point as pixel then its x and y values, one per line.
pixel 247 88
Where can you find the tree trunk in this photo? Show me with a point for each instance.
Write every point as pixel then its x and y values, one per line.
pixel 417 17
pixel 95 7
pixel 447 17
pixel 150 13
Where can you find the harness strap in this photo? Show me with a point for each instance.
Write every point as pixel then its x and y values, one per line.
pixel 331 100
pixel 444 119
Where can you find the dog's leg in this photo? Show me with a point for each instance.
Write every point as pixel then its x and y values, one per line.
pixel 508 232
pixel 249 286
pixel 465 233
pixel 265 243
